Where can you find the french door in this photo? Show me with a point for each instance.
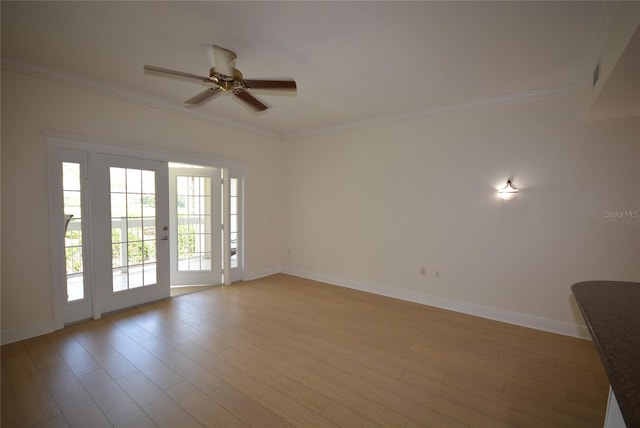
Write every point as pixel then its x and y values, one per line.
pixel 125 227
pixel 130 230
pixel 195 220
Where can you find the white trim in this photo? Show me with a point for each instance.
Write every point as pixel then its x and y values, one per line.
pixel 496 314
pixel 250 276
pixel 124 93
pixel 125 148
pixel 226 232
pixel 26 332
pixel 56 237
pixel 514 98
pixel 237 273
pixel 613 417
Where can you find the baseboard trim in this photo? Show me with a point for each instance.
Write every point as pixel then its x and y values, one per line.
pixel 26 332
pixel 516 318
pixel 250 276
pixel 496 314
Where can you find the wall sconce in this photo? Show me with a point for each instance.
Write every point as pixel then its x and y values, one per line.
pixel 508 192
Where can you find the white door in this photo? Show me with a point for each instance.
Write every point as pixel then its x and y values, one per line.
pixel 195 224
pixel 131 231
pixel 70 210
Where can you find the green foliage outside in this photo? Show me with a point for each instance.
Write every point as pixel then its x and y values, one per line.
pixel 138 251
pixel 186 239
pixel 144 251
pixel 73 252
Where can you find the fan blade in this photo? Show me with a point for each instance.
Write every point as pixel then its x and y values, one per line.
pixel 203 96
pixel 245 96
pixel 175 73
pixel 224 60
pixel 270 84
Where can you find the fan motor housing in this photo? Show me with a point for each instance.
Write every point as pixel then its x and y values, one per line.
pixel 226 82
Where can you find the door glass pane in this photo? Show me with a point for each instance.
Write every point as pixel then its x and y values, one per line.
pixel 133 237
pixel 193 217
pixel 233 221
pixel 71 190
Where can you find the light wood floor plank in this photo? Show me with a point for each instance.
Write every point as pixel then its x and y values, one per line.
pixel 435 401
pixel 278 344
pixel 202 379
pixel 294 413
pixel 126 323
pixel 362 360
pixel 171 330
pixel 42 352
pixel 286 351
pixel 31 392
pixel 230 374
pixel 588 413
pixel 396 358
pixel 384 397
pixel 287 386
pixel 74 355
pixel 202 407
pixel 525 406
pixel 11 413
pixel 206 341
pixel 344 417
pixel 155 403
pixel 154 369
pixel 247 409
pixel 55 422
pixel 117 406
pixel 379 413
pixel 112 361
pixel 76 405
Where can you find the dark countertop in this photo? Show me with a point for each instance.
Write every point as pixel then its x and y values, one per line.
pixel 612 312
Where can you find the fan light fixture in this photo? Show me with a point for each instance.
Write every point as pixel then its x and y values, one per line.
pixel 508 192
pixel 226 78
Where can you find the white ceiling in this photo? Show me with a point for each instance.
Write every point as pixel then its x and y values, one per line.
pixel 353 61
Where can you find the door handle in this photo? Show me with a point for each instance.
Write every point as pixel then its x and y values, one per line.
pixel 164 238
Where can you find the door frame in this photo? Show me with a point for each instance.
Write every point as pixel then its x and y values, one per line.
pixel 91 146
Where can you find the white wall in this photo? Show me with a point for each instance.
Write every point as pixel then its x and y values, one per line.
pixel 368 208
pixel 31 105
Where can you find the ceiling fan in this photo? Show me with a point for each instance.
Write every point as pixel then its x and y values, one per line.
pixel 226 77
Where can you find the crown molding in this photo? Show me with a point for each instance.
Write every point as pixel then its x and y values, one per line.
pixel 147 100
pixel 138 150
pixel 124 93
pixel 514 98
